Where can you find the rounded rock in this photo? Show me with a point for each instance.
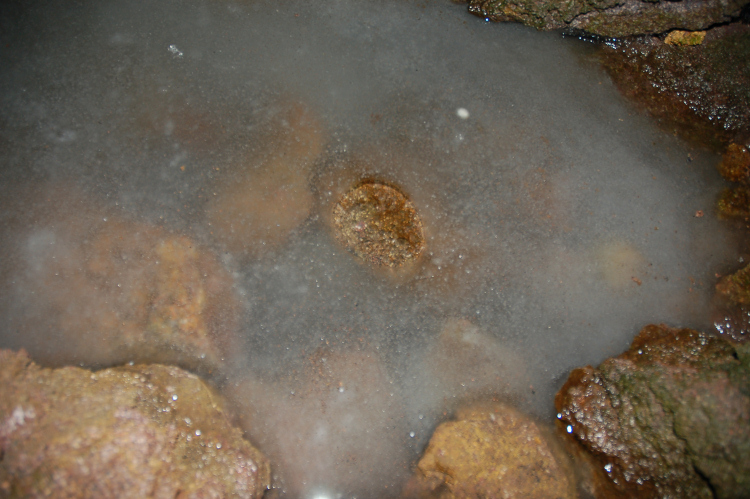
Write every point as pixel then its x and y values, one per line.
pixel 379 224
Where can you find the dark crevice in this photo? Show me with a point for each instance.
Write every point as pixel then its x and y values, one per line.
pixel 705 479
pixel 745 14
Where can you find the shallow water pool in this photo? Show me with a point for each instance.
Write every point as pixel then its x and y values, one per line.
pixel 557 220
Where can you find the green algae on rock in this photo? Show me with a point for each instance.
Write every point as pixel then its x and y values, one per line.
pixel 670 417
pixel 132 431
pixel 379 224
pixel 492 451
pixel 610 18
pixel 685 38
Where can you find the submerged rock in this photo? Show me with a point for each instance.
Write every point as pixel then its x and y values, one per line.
pixel 465 362
pixel 133 431
pixel 99 289
pixel 670 417
pixel 260 201
pixel 735 288
pixel 379 224
pixel 491 452
pixel 734 204
pixel 611 18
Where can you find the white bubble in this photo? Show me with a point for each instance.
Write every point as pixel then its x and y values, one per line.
pixel 175 51
pixel 462 113
pixel 197 433
pixel 569 429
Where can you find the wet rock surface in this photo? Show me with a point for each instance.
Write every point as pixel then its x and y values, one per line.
pixel 731 302
pixel 732 306
pixel 133 431
pixel 700 92
pixel 610 18
pixel 492 451
pixel 670 417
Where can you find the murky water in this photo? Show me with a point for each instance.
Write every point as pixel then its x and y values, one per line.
pixel 558 221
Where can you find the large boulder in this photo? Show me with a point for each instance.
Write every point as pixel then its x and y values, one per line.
pixel 611 18
pixel 670 417
pixel 492 451
pixel 133 431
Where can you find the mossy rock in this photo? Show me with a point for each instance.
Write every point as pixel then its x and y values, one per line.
pixel 670 417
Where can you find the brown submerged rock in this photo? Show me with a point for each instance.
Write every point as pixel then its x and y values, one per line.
pixel 133 431
pixel 100 289
pixel 379 224
pixel 491 451
pixel 264 197
pixel 670 417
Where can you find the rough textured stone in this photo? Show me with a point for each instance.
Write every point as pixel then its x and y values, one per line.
pixel 134 431
pixel 379 224
pixel 732 306
pixel 611 18
pixel 670 417
pixel 700 92
pixel 491 452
